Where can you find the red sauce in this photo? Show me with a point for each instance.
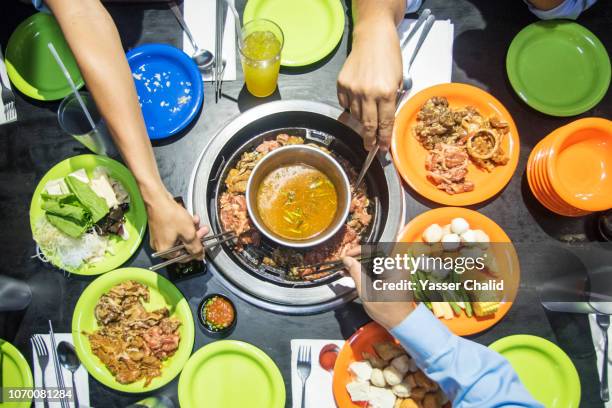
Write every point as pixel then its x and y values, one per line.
pixel 219 313
pixel 328 356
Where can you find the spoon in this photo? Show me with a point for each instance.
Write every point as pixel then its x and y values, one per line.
pixel 69 360
pixel 203 58
pixel 426 28
pixel 328 356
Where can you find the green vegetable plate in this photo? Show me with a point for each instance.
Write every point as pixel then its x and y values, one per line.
pixel 231 374
pixel 16 373
pixel 545 370
pixel 558 67
pixel 162 294
pixel 136 216
pixel 31 66
pixel 312 28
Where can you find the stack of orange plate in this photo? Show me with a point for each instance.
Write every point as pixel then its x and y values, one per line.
pixel 570 170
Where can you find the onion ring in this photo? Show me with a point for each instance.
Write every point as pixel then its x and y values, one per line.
pixel 472 151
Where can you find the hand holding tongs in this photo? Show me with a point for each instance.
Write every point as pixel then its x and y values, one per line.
pixel 222 237
pixel 425 18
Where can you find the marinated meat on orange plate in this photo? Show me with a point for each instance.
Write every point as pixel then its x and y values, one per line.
pixel 446 167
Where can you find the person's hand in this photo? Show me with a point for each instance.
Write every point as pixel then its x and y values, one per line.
pixel 387 314
pixel 170 223
pixel 370 78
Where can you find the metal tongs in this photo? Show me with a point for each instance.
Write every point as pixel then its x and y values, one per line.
pixel 425 18
pixel 222 237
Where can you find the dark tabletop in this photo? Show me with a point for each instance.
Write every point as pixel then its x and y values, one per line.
pixel 483 31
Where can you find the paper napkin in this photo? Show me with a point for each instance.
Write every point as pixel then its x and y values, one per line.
pixel 7 83
pixel 319 385
pixel 80 376
pixel 598 342
pixel 433 64
pixel 200 18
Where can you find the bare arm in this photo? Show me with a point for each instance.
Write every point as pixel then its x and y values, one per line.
pixel 95 43
pixel 371 75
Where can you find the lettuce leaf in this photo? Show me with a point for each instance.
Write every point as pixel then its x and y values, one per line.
pixel 95 204
pixel 66 206
pixel 68 226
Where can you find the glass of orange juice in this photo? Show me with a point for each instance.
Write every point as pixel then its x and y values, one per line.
pixel 261 42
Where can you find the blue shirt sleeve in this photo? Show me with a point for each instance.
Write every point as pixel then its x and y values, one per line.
pixel 470 374
pixel 413 5
pixel 568 9
pixel 40 5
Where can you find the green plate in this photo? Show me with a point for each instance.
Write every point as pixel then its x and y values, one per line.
pixel 312 28
pixel 231 374
pixel 162 294
pixel 558 67
pixel 31 66
pixel 545 370
pixel 136 217
pixel 15 373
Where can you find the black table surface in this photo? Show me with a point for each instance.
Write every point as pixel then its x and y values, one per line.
pixel 483 32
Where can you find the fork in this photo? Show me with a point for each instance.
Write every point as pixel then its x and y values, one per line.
pixel 43 359
pixel 304 365
pixel 8 99
pixel 603 321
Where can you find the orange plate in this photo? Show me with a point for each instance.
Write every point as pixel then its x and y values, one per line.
pixel 463 325
pixel 409 156
pixel 580 164
pixel 362 340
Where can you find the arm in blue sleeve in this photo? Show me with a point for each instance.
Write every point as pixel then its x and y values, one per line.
pixel 470 374
pixel 40 6
pixel 413 5
pixel 568 9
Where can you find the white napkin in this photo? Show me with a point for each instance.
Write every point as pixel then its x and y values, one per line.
pixel 598 343
pixel 319 385
pixel 434 63
pixel 200 18
pixel 80 376
pixel 7 83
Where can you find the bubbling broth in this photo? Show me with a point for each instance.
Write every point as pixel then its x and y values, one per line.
pixel 297 201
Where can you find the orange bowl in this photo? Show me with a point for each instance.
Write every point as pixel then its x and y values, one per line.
pixel 463 325
pixel 362 340
pixel 580 164
pixel 409 156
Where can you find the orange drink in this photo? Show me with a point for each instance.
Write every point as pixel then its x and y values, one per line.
pixel 261 42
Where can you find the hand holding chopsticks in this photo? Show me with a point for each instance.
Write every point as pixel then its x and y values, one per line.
pixel 221 238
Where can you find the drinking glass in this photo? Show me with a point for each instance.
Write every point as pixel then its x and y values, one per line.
pixel 260 44
pixel 73 121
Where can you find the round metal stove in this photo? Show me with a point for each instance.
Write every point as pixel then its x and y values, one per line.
pixel 317 123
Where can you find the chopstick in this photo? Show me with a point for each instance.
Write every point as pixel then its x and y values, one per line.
pixel 337 264
pixel 218 45
pixel 56 365
pixel 220 66
pixel 223 237
pixel 182 246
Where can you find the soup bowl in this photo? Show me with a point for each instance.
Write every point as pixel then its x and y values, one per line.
pixel 299 155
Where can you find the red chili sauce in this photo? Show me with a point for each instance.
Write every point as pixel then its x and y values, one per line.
pixel 218 313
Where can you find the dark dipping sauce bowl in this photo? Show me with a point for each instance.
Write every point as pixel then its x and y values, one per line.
pixel 208 327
